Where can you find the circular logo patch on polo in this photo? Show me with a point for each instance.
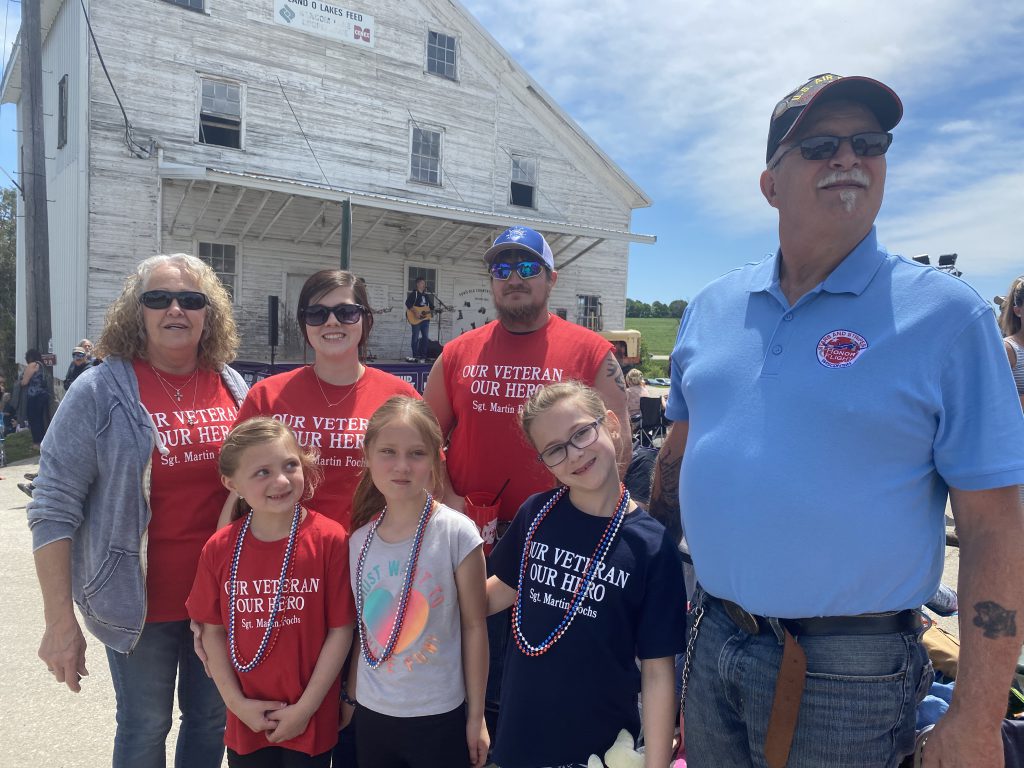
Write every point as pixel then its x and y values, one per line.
pixel 840 349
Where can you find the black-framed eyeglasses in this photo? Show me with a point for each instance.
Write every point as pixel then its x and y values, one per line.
pixel 346 314
pixel 867 144
pixel 163 299
pixel 502 270
pixel 581 438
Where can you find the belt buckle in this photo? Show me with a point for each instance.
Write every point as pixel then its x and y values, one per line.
pixel 741 618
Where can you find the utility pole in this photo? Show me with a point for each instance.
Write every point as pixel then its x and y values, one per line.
pixel 37 241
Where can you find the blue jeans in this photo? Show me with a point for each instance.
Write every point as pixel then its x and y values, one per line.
pixel 144 688
pixel 858 707
pixel 420 336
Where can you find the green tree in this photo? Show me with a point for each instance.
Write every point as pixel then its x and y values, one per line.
pixel 636 308
pixel 676 308
pixel 659 310
pixel 8 282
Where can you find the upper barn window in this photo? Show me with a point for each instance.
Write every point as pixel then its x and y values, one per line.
pixel 425 159
pixel 441 55
pixel 195 5
pixel 220 113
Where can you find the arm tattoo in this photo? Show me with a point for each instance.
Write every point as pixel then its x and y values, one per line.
pixel 664 507
pixel 995 620
pixel 614 371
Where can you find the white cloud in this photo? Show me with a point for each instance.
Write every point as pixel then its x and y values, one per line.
pixel 679 94
pixel 980 221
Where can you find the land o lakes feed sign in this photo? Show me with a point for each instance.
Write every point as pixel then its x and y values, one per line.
pixel 327 20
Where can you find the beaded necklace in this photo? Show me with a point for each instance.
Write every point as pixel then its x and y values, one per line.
pixel 583 585
pixel 265 644
pixel 403 602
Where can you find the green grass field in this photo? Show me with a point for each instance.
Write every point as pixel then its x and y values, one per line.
pixel 659 333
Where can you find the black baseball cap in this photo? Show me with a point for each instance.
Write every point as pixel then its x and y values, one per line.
pixel 876 96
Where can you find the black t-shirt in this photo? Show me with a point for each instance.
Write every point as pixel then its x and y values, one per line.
pixel 571 701
pixel 417 299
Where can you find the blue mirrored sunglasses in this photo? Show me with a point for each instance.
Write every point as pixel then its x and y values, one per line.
pixel 502 270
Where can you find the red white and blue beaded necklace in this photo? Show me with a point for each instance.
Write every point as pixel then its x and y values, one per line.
pixel 265 644
pixel 371 660
pixel 583 585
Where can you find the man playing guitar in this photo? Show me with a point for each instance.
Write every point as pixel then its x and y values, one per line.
pixel 419 308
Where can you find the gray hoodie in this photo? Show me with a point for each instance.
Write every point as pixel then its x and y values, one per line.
pixel 93 488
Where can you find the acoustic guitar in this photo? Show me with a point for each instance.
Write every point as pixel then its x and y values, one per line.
pixel 416 315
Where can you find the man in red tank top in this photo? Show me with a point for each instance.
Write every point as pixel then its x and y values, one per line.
pixel 477 386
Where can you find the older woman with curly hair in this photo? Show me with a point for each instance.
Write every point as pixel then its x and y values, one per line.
pixel 127 494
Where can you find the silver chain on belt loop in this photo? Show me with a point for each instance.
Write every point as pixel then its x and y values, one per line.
pixel 698 614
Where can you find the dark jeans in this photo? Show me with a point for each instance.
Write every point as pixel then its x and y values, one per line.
pixel 36 412
pixel 430 741
pixel 278 757
pixel 420 336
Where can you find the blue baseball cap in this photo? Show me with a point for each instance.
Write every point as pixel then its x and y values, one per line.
pixel 521 239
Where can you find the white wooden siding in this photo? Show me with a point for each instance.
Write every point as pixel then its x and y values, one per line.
pixel 355 106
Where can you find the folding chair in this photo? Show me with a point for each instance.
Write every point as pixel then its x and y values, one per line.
pixel 651 426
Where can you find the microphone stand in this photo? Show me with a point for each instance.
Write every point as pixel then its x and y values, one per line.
pixel 442 309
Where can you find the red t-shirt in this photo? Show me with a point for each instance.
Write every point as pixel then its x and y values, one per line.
pixel 488 373
pixel 337 433
pixel 186 494
pixel 317 596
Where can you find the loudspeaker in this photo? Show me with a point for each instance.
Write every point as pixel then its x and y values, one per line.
pixel 272 306
pixel 432 349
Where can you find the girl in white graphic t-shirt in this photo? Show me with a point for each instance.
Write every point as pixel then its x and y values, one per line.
pixel 418 574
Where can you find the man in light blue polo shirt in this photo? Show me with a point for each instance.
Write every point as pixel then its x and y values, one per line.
pixel 827 400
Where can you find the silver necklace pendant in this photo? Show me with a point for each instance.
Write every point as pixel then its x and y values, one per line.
pixel 177 395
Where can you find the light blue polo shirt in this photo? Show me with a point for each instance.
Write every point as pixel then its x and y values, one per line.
pixel 823 436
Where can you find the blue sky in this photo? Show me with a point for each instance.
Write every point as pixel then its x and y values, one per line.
pixel 679 95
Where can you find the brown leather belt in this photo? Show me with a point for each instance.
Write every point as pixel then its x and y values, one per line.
pixel 789 683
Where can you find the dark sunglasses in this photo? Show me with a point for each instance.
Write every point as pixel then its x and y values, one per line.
pixel 78 355
pixel 346 314
pixel 867 144
pixel 163 299
pixel 501 270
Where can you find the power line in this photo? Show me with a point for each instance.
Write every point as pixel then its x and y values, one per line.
pixel 136 148
pixel 315 158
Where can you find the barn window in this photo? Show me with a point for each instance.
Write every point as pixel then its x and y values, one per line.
pixel 220 113
pixel 588 312
pixel 426 156
pixel 441 54
pixel 222 259
pixel 523 187
pixel 195 5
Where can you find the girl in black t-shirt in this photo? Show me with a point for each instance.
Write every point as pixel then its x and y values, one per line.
pixel 594 583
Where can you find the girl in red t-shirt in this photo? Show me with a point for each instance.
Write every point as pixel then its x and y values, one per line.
pixel 418 572
pixel 273 595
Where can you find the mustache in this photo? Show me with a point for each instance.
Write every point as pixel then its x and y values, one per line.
pixel 854 176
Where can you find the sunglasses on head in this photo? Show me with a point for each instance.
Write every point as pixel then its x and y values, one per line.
pixel 867 144
pixel 346 314
pixel 163 299
pixel 502 270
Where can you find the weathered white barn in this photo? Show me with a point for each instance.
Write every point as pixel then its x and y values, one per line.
pixel 254 126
